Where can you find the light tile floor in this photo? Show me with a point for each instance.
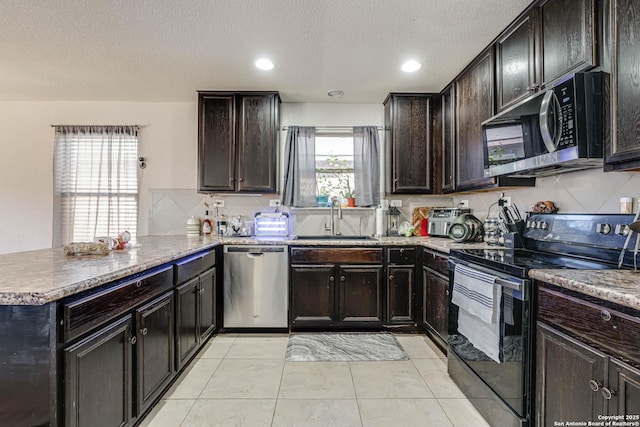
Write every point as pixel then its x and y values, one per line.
pixel 243 380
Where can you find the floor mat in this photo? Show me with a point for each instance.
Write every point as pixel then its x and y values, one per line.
pixel 343 347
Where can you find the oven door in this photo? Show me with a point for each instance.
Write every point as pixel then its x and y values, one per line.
pixel 496 350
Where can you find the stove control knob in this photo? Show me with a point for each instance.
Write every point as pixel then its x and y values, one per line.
pixel 544 225
pixel 603 228
pixel 622 229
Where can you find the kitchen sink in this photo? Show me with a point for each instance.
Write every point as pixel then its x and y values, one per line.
pixel 339 237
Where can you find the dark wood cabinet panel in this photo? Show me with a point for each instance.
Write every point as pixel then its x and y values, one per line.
pixel 435 291
pixel 400 290
pixel 568 37
pixel 448 140
pixel 474 104
pixel 237 141
pixel 216 143
pixel 155 357
pixel 623 151
pixel 515 62
pixel 187 334
pixel 207 303
pixel 360 294
pixel 565 367
pixel 257 149
pixel 98 377
pixel 408 143
pixel 336 255
pixel 312 294
pixel 624 388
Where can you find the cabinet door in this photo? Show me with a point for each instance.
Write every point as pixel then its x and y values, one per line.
pixel 564 369
pixel 435 291
pixel 624 388
pixel 400 294
pixel 448 140
pixel 410 144
pixel 515 62
pixel 623 151
pixel 360 296
pixel 474 100
pixel 156 357
pixel 216 142
pixel 312 294
pixel 207 303
pixel 187 334
pixel 257 143
pixel 568 37
pixel 98 377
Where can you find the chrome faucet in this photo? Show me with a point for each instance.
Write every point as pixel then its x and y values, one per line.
pixel 332 222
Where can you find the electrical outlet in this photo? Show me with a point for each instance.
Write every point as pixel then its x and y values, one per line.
pixel 464 204
pixel 218 203
pixel 274 203
pixel 384 203
pixel 507 201
pixel 396 203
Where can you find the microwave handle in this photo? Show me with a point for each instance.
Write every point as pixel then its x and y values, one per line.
pixel 549 101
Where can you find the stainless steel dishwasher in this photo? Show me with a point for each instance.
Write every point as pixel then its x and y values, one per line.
pixel 256 284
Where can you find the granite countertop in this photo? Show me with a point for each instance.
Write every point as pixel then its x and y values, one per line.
pixel 46 275
pixel 617 286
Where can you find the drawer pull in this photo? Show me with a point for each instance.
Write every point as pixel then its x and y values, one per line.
pixel 144 331
pixel 133 340
pixel 138 283
pixel 595 385
pixel 608 394
pixel 342 278
pixel 401 251
pixel 446 292
pixel 331 278
pixel 606 316
pixel 391 277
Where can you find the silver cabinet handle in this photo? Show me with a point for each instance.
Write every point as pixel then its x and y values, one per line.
pixel 144 331
pixel 133 340
pixel 594 385
pixel 606 315
pixel 138 283
pixel 608 394
pixel 331 278
pixel 401 250
pixel 342 278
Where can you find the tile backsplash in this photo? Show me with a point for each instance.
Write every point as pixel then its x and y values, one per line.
pixel 591 191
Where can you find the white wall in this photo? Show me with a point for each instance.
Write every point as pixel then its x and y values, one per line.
pixel 168 141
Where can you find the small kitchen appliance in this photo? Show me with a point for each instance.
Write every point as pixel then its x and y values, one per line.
pixel 441 219
pixel 271 224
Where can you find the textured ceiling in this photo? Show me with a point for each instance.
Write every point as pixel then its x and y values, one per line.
pixel 165 50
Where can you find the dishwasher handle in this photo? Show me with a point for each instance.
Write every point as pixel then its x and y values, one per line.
pixel 254 254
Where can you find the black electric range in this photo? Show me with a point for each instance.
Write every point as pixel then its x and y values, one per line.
pixel 492 360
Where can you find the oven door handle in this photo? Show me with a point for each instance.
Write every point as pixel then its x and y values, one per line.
pixel 501 279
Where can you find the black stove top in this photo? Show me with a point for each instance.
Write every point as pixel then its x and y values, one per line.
pixel 569 241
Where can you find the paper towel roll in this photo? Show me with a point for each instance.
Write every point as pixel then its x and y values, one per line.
pixel 380 222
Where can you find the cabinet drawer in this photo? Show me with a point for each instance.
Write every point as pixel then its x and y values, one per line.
pixel 191 266
pixel 336 255
pixel 436 261
pixel 607 328
pixel 401 255
pixel 86 313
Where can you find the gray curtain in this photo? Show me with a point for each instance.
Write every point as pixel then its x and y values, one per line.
pixel 366 159
pixel 300 170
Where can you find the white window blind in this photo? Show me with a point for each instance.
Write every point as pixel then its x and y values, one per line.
pixel 95 182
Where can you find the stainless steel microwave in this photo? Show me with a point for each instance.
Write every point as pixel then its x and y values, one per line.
pixel 559 129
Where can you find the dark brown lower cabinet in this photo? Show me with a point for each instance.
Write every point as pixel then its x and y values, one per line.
pixel 98 377
pixel 400 289
pixel 195 314
pixel 435 294
pixel 312 294
pixel 360 294
pixel 578 382
pixel 156 358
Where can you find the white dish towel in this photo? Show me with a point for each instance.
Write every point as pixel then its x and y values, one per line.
pixel 476 292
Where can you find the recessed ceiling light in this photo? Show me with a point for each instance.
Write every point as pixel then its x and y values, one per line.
pixel 264 64
pixel 411 66
pixel 335 93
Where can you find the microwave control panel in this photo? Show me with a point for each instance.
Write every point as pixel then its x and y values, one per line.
pixel 566 96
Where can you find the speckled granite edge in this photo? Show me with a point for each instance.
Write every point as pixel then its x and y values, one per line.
pixel 42 276
pixel 616 286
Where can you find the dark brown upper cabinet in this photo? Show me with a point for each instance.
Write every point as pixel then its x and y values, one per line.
pixel 623 150
pixel 237 141
pixel 448 163
pixel 515 62
pixel 567 38
pixel 408 143
pixel 474 90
